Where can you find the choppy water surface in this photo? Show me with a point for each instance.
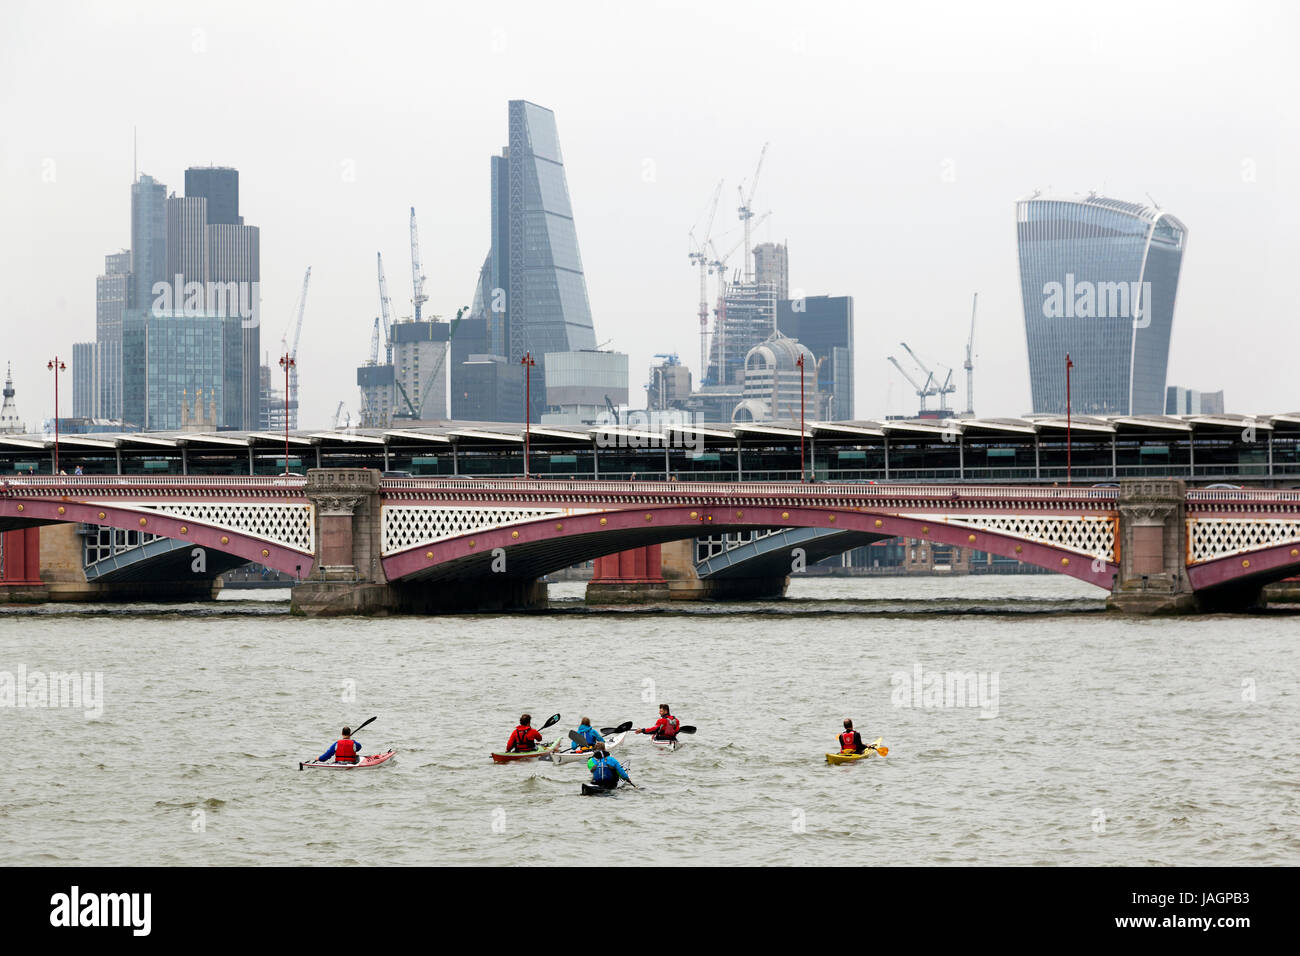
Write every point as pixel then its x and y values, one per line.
pixel 1109 741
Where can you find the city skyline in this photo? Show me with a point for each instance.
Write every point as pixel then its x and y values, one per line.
pixel 863 192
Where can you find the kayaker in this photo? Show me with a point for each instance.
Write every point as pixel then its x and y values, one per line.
pixel 343 750
pixel 589 733
pixel 524 739
pixel 851 740
pixel 606 771
pixel 666 727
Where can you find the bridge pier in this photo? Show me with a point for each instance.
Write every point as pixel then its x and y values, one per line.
pixel 20 567
pixel 347 577
pixel 1152 575
pixel 629 577
pixel 667 571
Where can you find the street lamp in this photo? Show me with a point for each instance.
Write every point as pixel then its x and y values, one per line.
pixel 802 473
pixel 56 367
pixel 528 363
pixel 1068 443
pixel 286 362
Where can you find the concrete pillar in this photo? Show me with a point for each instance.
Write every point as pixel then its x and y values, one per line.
pixel 1152 575
pixel 347 577
pixel 20 566
pixel 629 577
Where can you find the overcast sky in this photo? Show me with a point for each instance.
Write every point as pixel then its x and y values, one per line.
pixel 901 135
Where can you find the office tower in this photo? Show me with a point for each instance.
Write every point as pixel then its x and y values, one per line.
pixel 1098 280
pixel 420 369
pixel 234 257
pixel 772 267
pixel 167 356
pixel 112 294
pixel 746 316
pixel 773 389
pixel 10 423
pixel 581 386
pixel 492 390
pixel 84 390
pixel 377 387
pixel 219 185
pixel 536 293
pixel 187 241
pixel 148 240
pixel 824 325
pixel 1188 401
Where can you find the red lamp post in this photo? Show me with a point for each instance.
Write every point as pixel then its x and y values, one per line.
pixel 1068 443
pixel 56 366
pixel 286 362
pixel 803 474
pixel 528 363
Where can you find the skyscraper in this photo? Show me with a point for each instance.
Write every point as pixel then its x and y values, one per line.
pixel 1098 280
pixel 537 300
pixel 84 384
pixel 772 267
pixel 148 239
pixel 219 185
pixel 824 324
pixel 112 294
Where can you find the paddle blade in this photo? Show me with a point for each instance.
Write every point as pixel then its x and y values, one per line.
pixel 620 729
pixel 688 729
pixel 553 719
pixel 883 751
pixel 370 721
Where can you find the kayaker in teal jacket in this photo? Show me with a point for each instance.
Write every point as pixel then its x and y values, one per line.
pixel 606 771
pixel 590 733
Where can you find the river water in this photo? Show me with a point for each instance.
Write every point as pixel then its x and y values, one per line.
pixel 1086 738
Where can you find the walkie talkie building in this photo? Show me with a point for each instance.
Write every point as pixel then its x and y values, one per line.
pixel 1098 280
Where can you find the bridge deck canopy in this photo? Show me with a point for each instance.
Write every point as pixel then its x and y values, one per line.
pixel 272 438
pixel 240 439
pixel 1151 423
pixel 352 437
pixel 848 429
pixel 769 430
pixel 395 437
pixel 1229 423
pixel 1084 423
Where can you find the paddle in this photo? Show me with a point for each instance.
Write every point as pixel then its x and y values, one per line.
pixel 553 719
pixel 620 729
pixel 370 721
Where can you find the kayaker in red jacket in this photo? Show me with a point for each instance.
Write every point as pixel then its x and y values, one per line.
pixel 851 740
pixel 343 750
pixel 666 727
pixel 524 738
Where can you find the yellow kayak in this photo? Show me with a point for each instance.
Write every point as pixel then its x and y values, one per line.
pixel 839 758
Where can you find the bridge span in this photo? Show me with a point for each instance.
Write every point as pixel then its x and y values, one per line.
pixel 358 543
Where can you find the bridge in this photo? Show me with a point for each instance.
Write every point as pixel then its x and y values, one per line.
pixel 359 543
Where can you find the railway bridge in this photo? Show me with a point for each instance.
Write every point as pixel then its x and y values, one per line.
pixel 358 543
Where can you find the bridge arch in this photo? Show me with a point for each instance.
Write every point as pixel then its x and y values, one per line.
pixel 540 546
pixel 15 512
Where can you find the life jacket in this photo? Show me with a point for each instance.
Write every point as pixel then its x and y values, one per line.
pixel 602 772
pixel 521 742
pixel 848 740
pixel 345 750
pixel 671 724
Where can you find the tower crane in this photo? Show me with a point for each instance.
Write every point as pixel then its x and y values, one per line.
pixel 374 344
pixel 922 391
pixel 746 211
pixel 417 274
pixel 386 310
pixel 699 256
pixel 970 359
pixel 944 390
pixel 292 397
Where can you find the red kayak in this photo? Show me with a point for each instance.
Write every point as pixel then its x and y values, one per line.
pixel 374 760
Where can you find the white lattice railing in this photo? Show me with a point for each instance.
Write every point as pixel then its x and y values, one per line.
pixel 1084 534
pixel 288 525
pixel 1210 538
pixel 413 526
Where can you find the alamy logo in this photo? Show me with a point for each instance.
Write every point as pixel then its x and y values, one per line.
pixel 946 689
pixel 102 909
pixel 55 689
pixel 1097 300
pixel 223 300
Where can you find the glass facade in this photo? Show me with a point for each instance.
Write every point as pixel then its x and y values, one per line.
pixel 1098 280
pixel 171 356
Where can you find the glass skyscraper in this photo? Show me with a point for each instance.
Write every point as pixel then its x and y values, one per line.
pixel 532 291
pixel 1098 280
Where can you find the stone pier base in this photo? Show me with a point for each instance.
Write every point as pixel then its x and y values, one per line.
pixel 345 598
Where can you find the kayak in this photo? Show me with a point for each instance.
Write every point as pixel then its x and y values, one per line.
pixel 839 758
pixel 543 753
pixel 668 746
pixel 591 790
pixel 581 756
pixel 374 760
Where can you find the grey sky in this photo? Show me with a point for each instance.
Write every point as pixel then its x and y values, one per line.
pixel 870 109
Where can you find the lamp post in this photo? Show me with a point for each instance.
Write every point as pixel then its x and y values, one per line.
pixel 802 472
pixel 528 363
pixel 56 366
pixel 1069 446
pixel 286 362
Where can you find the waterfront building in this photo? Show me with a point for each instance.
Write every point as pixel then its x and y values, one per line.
pixel 1098 281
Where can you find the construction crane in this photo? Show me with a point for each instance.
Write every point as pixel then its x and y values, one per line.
pixel 338 416
pixel 374 344
pixel 386 310
pixel 746 212
pixel 293 352
pixel 699 256
pixel 417 274
pixel 923 392
pixel 970 359
pixel 719 261
pixel 944 390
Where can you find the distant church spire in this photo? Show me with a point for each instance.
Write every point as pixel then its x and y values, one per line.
pixel 10 423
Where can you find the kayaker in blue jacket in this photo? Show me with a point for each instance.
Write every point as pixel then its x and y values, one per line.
pixel 589 733
pixel 349 752
pixel 606 771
